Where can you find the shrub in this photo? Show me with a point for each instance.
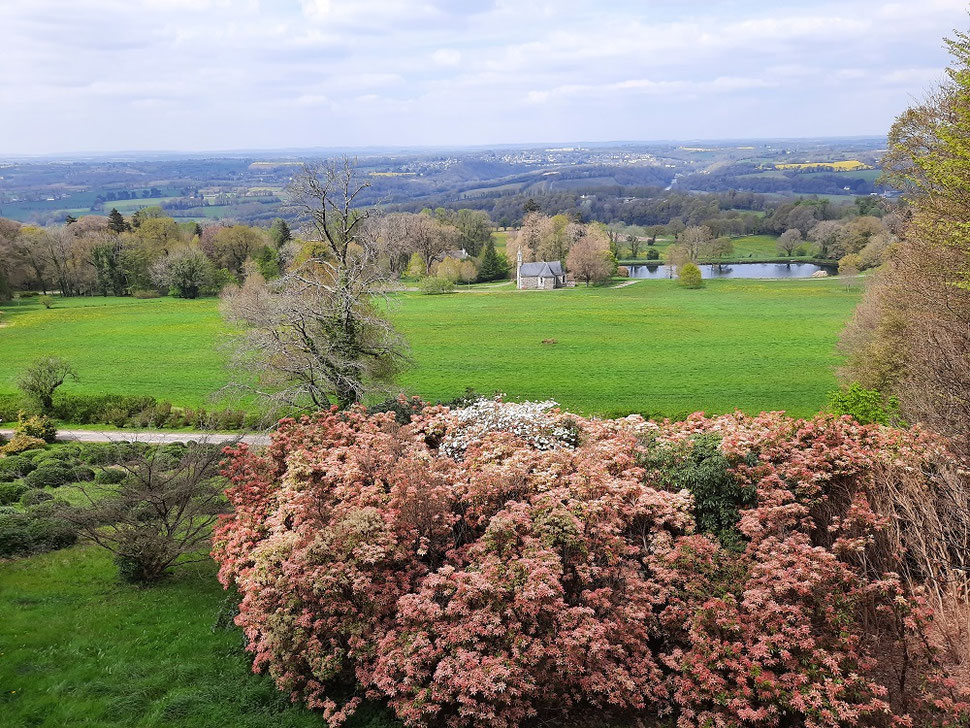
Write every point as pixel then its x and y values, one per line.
pixel 158 516
pixel 15 536
pixel 865 405
pixel 110 476
pixel 145 293
pixel 433 286
pixel 35 497
pixel 10 407
pixel 51 474
pixel 13 467
pixel 49 534
pixel 40 426
pixel 100 453
pixel 11 492
pixel 21 444
pixel 100 409
pixel 46 301
pixel 622 271
pixel 526 577
pixel 689 276
pixel 653 254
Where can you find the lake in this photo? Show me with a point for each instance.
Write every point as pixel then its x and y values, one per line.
pixel 736 270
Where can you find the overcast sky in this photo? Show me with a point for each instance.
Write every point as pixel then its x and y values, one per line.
pixel 86 75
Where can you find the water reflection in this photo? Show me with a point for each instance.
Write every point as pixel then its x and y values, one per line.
pixel 735 270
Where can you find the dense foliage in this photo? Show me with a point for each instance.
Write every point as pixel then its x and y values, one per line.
pixel 910 335
pixel 493 565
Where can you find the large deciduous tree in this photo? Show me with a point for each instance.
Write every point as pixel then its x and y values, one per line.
pixel 589 259
pixel 315 336
pixel 911 335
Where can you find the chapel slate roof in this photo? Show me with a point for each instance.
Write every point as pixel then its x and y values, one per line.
pixel 542 269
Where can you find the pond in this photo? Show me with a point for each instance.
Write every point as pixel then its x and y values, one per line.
pixel 736 270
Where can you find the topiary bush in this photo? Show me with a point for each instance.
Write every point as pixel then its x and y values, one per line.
pixel 503 565
pixel 11 492
pixel 110 476
pixel 51 474
pixel 15 538
pixel 35 497
pixel 14 467
pixel 49 534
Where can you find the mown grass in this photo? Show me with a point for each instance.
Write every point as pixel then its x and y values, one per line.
pixel 651 347
pixel 159 347
pixel 78 648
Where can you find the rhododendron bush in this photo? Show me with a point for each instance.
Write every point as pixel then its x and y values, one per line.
pixel 503 563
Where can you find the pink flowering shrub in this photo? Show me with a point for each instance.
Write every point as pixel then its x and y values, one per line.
pixel 528 565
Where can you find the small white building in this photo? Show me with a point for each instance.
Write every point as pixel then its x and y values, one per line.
pixel 539 275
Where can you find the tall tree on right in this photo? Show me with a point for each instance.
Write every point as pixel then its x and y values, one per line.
pixel 910 336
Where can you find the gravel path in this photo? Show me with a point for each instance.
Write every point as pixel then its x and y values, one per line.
pixel 150 436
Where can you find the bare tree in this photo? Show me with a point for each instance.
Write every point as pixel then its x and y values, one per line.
pixel 161 513
pixel 315 336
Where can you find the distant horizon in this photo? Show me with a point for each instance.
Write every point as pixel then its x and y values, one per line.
pixel 418 148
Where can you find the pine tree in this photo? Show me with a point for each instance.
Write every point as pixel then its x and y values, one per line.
pixel 279 232
pixel 492 266
pixel 70 220
pixel 116 221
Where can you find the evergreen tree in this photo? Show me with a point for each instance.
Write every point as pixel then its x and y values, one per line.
pixel 279 232
pixel 116 221
pixel 492 266
pixel 70 220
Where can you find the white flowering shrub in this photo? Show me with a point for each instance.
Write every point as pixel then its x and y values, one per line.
pixel 541 424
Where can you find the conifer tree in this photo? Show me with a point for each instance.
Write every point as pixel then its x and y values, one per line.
pixel 116 221
pixel 492 266
pixel 279 232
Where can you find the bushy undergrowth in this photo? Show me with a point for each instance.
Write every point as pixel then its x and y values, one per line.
pixel 134 411
pixel 720 572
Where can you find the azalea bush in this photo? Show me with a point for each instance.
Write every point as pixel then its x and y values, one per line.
pixel 501 564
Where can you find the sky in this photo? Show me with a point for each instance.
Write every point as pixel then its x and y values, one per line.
pixel 196 75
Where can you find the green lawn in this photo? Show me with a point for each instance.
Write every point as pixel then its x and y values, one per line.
pixel 651 347
pixel 78 648
pixel 160 346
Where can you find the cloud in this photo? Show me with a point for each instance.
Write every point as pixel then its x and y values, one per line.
pixel 446 57
pixel 196 74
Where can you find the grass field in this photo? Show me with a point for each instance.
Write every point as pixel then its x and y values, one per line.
pixel 651 347
pixel 746 248
pixel 845 165
pixel 78 648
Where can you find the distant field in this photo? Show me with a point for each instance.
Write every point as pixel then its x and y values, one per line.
pixel 651 347
pixel 755 247
pixel 847 165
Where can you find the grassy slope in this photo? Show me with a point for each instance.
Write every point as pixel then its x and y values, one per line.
pixel 651 347
pixel 160 346
pixel 77 648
